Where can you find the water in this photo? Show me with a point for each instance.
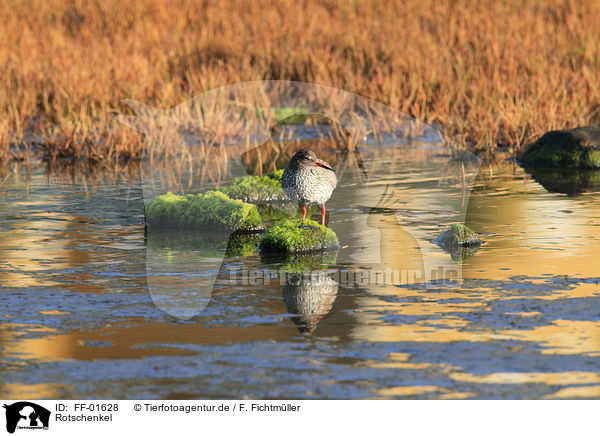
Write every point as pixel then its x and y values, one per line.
pixel 521 321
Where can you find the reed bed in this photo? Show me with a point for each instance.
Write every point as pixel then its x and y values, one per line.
pixel 492 75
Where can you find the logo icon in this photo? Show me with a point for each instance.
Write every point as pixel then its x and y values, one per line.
pixel 26 415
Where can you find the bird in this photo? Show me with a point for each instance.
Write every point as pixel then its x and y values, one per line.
pixel 308 180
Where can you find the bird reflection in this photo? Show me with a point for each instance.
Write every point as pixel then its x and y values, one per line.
pixel 310 297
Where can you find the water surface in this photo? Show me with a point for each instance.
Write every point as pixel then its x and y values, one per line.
pixel 522 321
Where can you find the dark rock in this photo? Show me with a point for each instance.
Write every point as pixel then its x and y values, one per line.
pixel 460 241
pixel 576 148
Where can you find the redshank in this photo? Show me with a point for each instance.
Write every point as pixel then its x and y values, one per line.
pixel 308 180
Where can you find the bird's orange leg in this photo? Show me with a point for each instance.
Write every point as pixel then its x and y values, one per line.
pixel 303 212
pixel 323 215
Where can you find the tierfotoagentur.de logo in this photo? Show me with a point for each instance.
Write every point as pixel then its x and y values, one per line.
pixel 25 415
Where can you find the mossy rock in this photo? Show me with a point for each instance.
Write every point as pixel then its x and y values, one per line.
pixel 257 189
pixel 576 148
pixel 294 236
pixel 458 235
pixel 196 211
pixel 460 241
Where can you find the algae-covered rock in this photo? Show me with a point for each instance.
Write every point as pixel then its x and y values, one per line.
pixel 458 235
pixel 257 189
pixel 296 235
pixel 195 211
pixel 576 148
pixel 460 241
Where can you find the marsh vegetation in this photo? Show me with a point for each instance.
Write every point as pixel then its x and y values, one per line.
pixel 492 75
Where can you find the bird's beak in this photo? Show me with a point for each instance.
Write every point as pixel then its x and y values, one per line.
pixel 319 164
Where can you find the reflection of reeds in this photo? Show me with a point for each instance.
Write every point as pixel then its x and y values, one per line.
pixel 90 176
pixel 490 72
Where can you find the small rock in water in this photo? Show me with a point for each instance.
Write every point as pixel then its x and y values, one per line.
pixel 458 235
pixel 297 235
pixel 460 241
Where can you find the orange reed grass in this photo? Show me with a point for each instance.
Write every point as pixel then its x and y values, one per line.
pixel 494 75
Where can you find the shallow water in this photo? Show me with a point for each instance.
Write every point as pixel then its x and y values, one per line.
pixel 522 319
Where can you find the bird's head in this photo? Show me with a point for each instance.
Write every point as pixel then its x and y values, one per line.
pixel 306 157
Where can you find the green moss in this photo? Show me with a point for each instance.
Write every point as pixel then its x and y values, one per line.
pixel 458 235
pixel 257 189
pixel 296 235
pixel 194 211
pixel 576 148
pixel 460 241
pixel 289 115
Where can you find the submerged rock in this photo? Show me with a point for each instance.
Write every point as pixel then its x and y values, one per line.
pixel 460 241
pixel 196 211
pixel 575 148
pixel 257 189
pixel 297 235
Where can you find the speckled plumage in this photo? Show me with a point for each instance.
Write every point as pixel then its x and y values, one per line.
pixel 308 179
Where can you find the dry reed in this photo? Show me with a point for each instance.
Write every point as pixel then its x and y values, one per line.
pixel 493 75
